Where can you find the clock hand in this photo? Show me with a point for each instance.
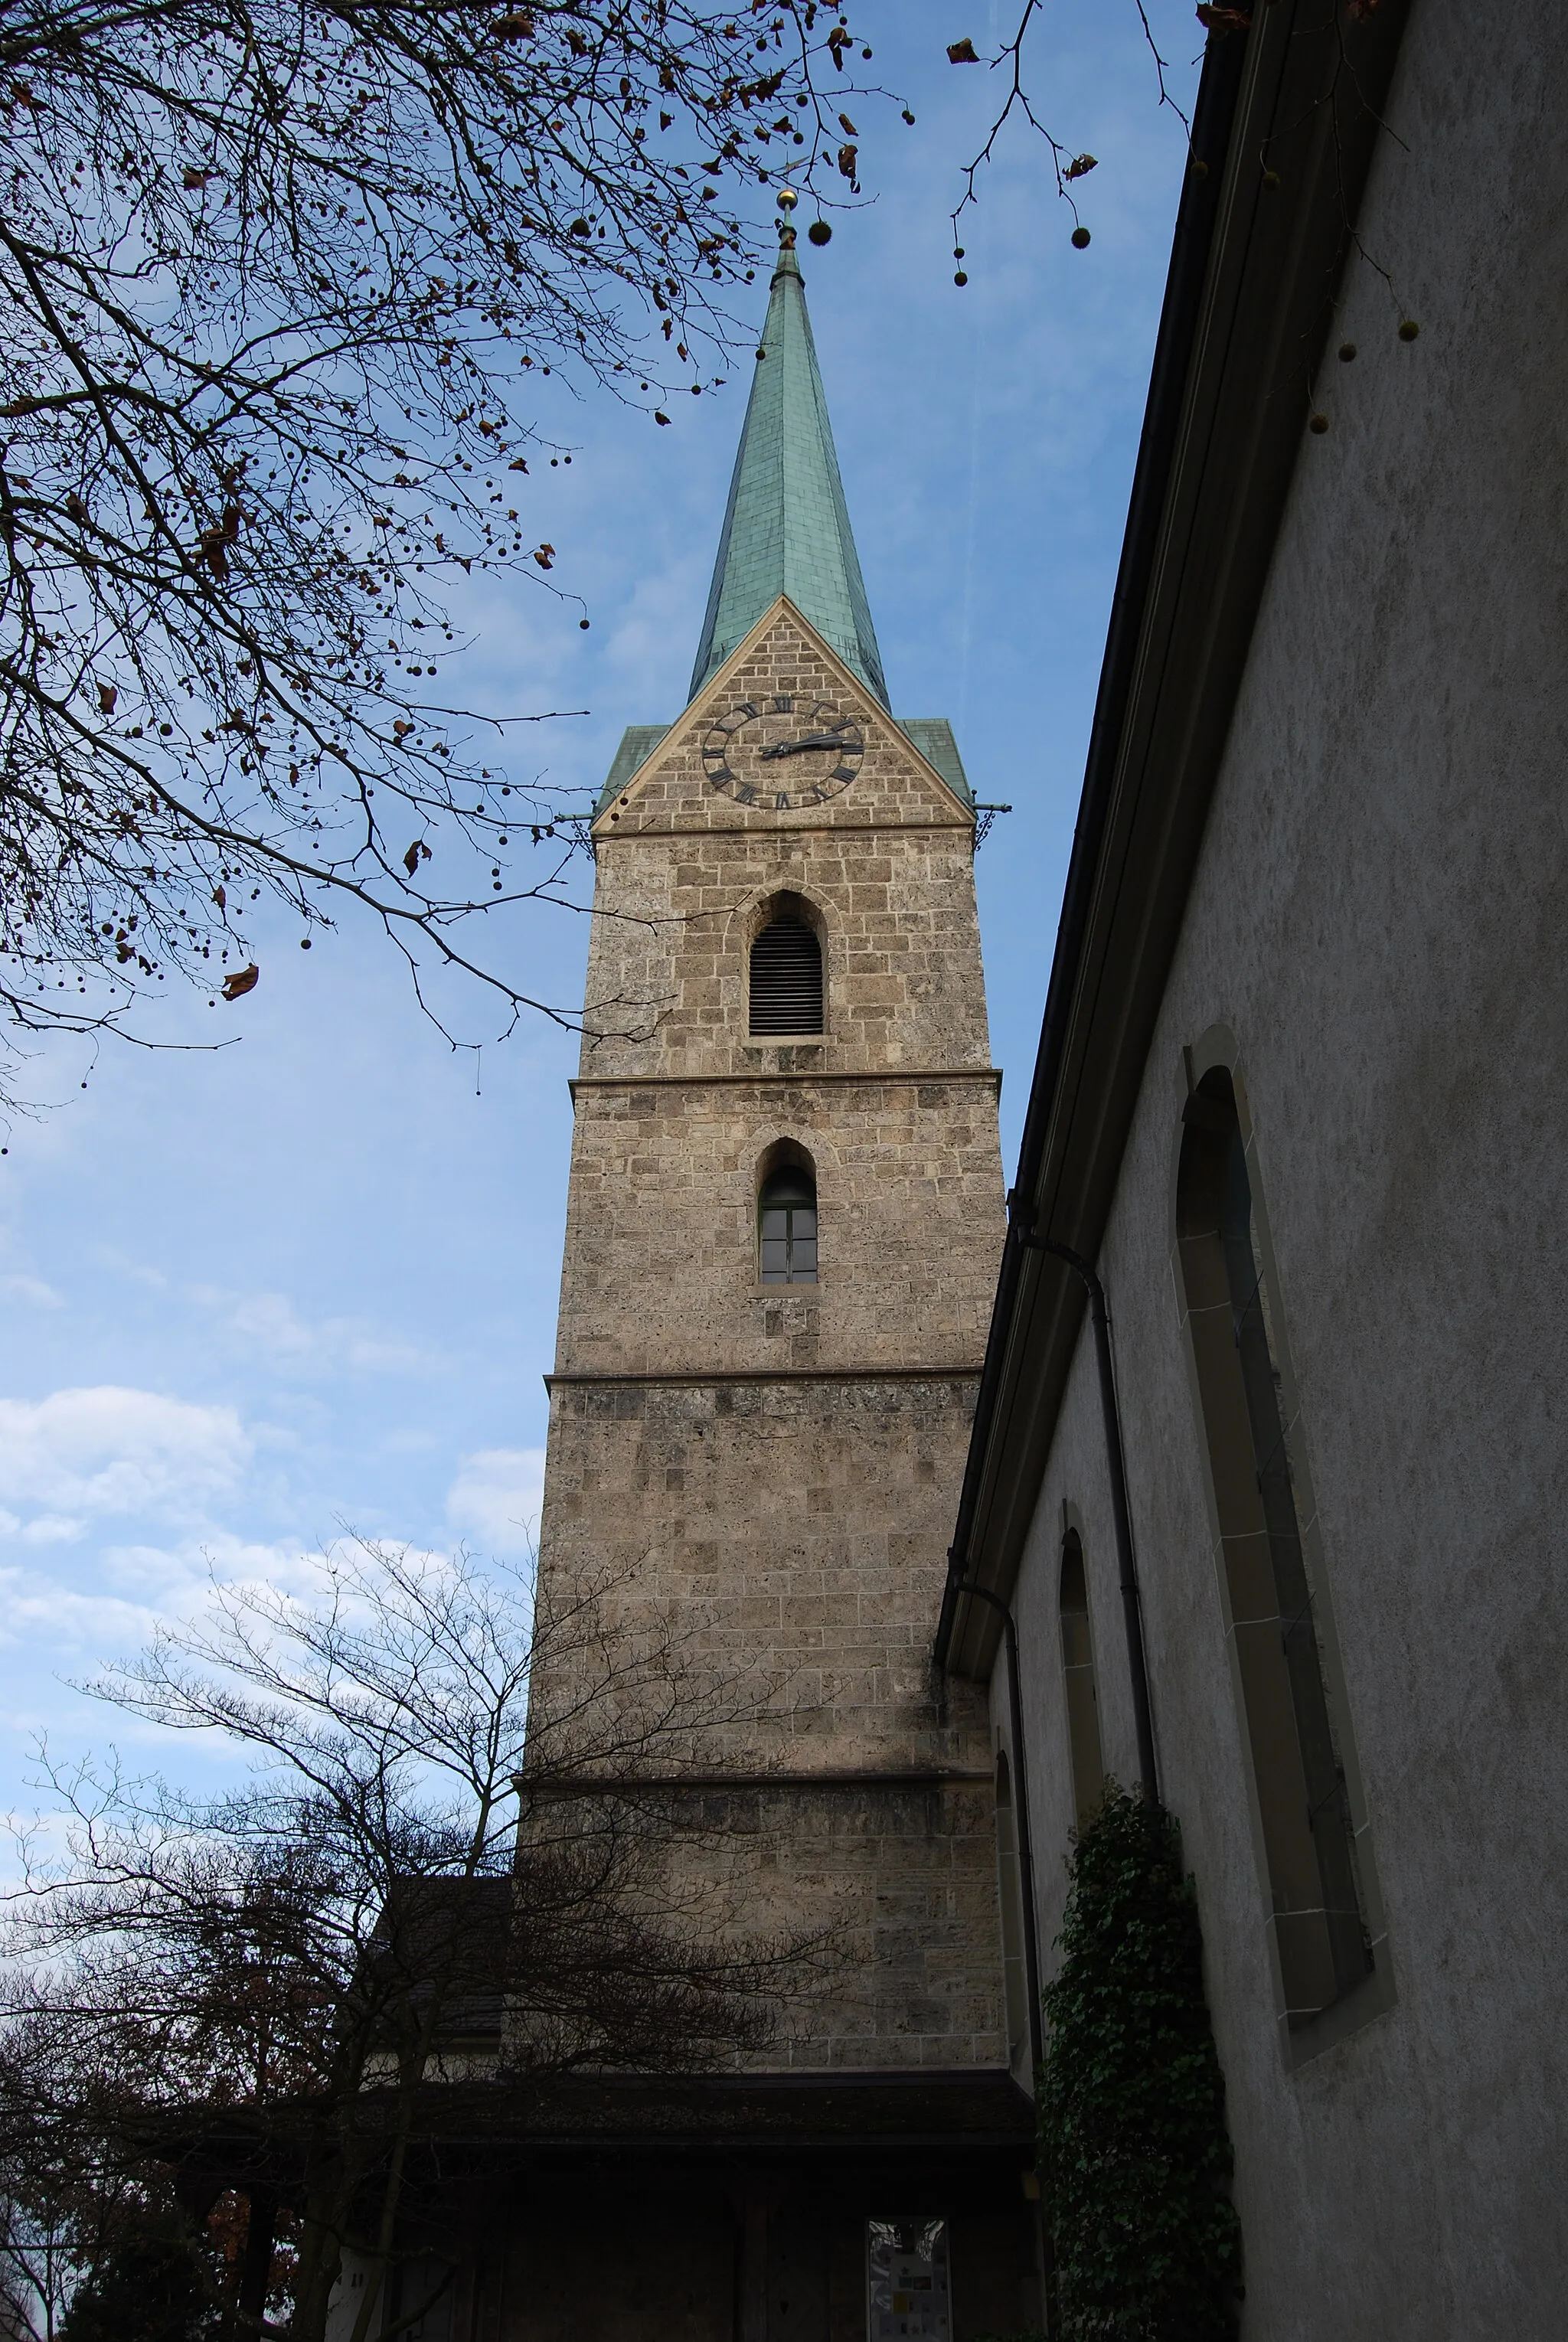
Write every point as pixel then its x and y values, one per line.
pixel 810 740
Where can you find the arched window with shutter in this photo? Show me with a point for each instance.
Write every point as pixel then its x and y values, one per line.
pixel 786 990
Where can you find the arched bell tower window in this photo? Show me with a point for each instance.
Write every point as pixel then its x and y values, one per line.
pixel 1088 1762
pixel 786 992
pixel 1296 1732
pixel 786 1222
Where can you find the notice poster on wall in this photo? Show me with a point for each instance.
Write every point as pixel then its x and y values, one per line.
pixel 906 2289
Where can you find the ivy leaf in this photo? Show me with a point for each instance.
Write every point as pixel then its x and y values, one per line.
pixel 1135 2156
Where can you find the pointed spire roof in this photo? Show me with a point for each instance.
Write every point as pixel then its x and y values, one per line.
pixel 786 526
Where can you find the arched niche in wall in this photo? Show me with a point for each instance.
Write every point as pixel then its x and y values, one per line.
pixel 1081 1696
pixel 1316 1863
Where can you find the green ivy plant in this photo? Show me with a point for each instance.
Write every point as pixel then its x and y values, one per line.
pixel 1135 2158
pixel 151 2288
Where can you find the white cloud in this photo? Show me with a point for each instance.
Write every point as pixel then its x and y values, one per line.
pixel 130 1589
pixel 31 1291
pixel 495 1498
pixel 72 1622
pixel 135 1271
pixel 173 1576
pixel 109 1450
pixel 49 1529
pixel 269 1323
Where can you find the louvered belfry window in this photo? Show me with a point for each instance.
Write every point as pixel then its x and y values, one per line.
pixel 786 978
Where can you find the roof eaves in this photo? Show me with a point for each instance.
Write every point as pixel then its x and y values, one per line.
pixel 637 743
pixel 1248 300
pixel 932 735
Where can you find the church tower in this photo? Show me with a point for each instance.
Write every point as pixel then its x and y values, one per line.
pixel 785 1219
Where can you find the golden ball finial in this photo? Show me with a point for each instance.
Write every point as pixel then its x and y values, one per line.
pixel 787 199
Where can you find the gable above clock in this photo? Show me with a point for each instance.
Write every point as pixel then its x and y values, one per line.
pixel 784 732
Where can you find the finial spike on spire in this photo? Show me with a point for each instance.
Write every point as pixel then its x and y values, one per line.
pixel 787 202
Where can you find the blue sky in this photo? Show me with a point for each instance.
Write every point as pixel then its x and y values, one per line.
pixel 251 1297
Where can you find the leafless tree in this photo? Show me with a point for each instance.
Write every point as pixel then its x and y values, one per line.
pixel 1018 97
pixel 1339 26
pixel 279 280
pixel 287 1983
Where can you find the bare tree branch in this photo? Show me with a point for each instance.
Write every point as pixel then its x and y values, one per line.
pixel 406 1899
pixel 1068 167
pixel 279 281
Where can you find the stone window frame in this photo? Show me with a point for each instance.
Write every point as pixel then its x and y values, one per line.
pixel 1225 1475
pixel 1079 1683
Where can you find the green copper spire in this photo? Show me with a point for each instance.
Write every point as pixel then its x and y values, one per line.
pixel 786 525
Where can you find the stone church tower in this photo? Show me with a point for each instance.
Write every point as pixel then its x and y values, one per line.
pixel 785 1220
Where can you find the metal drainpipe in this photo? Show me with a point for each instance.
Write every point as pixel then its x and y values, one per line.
pixel 1020 1772
pixel 1131 1610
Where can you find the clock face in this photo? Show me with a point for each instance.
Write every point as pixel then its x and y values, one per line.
pixel 784 752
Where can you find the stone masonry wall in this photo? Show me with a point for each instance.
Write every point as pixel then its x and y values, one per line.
pixel 795 1534
pixel 800 1530
pixel 771 1472
pixel 660 1271
pixel 683 873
